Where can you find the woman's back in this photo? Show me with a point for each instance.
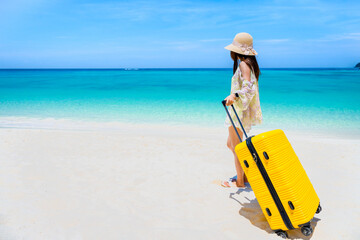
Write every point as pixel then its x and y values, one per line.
pixel 248 103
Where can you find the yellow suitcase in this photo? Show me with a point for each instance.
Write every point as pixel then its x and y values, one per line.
pixel 279 181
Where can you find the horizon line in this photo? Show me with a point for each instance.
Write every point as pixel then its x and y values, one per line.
pixel 166 68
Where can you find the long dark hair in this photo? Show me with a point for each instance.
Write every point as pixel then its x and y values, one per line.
pixel 249 60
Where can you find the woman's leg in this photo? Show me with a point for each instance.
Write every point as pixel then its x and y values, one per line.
pixel 233 140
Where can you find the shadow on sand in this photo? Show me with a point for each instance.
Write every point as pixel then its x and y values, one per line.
pixel 252 211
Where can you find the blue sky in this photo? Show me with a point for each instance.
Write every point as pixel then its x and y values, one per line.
pixel 157 34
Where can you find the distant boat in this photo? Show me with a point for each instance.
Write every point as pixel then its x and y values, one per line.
pixel 358 65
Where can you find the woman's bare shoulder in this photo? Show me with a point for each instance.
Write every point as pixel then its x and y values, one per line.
pixel 244 68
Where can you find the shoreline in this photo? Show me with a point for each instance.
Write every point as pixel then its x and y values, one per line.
pixel 67 124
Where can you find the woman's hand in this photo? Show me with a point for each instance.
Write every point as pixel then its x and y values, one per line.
pixel 230 99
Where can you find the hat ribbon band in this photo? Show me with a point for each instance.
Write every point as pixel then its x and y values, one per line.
pixel 244 47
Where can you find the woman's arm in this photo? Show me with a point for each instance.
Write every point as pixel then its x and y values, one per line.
pixel 248 87
pixel 245 70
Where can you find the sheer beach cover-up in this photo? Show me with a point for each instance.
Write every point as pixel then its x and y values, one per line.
pixel 247 106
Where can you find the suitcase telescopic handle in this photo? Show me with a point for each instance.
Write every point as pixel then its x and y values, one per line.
pixel 232 122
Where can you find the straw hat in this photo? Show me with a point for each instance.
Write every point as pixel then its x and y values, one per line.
pixel 243 44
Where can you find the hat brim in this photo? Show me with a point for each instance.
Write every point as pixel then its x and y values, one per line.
pixel 236 49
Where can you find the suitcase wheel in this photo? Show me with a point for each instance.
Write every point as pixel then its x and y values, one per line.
pixel 306 230
pixel 282 234
pixel 318 210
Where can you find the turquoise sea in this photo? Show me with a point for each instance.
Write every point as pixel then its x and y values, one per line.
pixel 323 100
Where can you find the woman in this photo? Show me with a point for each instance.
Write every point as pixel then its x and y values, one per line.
pixel 244 96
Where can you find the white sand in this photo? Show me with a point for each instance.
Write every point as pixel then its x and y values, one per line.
pixel 153 182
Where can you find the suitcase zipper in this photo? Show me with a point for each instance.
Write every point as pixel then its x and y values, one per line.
pixel 269 184
pixel 255 158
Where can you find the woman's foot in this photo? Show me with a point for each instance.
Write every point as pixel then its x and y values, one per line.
pixel 240 184
pixel 225 184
